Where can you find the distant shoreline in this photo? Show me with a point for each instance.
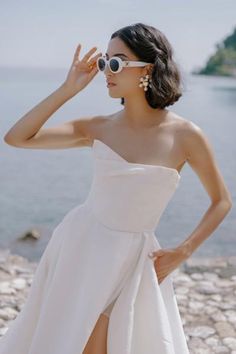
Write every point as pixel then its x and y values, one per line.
pixel 232 76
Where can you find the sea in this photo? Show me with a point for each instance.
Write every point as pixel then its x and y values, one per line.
pixel 39 186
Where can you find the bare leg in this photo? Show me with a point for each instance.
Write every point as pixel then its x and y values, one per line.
pixel 97 342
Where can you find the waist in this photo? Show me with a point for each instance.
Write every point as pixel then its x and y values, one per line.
pixel 120 218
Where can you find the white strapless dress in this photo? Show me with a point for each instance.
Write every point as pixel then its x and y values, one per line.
pixel 97 262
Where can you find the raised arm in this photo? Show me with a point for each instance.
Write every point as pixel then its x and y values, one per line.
pixel 27 132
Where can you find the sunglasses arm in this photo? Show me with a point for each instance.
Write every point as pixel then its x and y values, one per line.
pixel 135 63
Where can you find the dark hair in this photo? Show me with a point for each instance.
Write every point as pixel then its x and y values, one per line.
pixel 151 45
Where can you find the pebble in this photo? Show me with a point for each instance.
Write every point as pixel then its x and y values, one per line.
pixel 218 316
pixel 230 342
pixel 200 331
pixel 207 287
pixel 225 329
pixel 205 292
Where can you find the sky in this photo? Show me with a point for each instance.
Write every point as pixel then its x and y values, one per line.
pixel 46 33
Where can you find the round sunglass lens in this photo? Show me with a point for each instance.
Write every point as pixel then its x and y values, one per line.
pixel 114 65
pixel 101 64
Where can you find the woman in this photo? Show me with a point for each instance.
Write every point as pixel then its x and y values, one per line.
pixel 98 289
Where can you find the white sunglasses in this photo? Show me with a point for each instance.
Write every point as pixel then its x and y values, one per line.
pixel 116 64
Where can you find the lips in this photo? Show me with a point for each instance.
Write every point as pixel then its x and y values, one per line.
pixel 109 83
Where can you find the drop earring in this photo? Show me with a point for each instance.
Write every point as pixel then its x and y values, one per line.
pixel 145 82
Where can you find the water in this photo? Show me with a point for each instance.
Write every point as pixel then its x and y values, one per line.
pixel 38 187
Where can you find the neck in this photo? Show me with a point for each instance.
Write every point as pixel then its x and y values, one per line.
pixel 138 114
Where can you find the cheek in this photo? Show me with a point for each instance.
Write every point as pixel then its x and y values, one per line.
pixel 129 80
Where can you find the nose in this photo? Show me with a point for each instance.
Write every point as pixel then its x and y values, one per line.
pixel 107 70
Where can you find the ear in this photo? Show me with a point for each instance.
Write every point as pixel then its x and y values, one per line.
pixel 147 69
pixel 150 68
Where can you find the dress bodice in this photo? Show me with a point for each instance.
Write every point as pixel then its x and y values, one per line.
pixel 129 196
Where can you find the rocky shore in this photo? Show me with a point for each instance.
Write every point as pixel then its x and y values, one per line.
pixel 205 291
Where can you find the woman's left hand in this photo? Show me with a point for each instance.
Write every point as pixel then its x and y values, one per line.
pixel 166 261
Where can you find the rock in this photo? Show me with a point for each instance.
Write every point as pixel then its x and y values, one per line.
pixel 212 303
pixel 227 272
pixel 196 305
pixel 32 234
pixel 29 281
pixel 222 283
pixel 227 305
pixel 204 264
pixel 196 276
pixel 183 278
pixel 182 309
pixel 210 309
pixel 210 276
pixel 197 296
pixel 201 351
pixel 181 290
pixel 196 343
pixel 218 316
pixel 19 283
pixel 11 302
pixel 8 313
pixel 3 330
pixel 212 341
pixel 221 349
pixel 200 331
pixel 189 318
pixel 181 298
pixel 5 288
pixel 2 322
pixel 20 269
pixel 231 316
pixel 6 269
pixel 216 297
pixel 206 287
pixel 230 342
pixel 225 329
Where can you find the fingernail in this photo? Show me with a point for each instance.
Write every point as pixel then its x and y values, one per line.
pixel 151 254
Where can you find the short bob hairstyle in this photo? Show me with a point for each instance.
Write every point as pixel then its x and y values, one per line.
pixel 151 45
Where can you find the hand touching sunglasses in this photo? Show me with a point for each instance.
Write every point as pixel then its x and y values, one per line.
pixel 116 64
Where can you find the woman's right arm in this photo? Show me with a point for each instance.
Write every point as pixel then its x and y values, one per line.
pixel 27 132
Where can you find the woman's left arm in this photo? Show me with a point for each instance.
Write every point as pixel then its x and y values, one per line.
pixel 200 157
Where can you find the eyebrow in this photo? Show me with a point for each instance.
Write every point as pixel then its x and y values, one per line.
pixel 118 55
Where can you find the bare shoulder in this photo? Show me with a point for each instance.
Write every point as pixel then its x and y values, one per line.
pixel 194 144
pixel 189 133
pixel 201 157
pixel 182 124
pixel 94 125
pixel 89 126
pixel 194 139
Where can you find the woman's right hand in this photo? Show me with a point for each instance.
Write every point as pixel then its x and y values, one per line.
pixel 81 71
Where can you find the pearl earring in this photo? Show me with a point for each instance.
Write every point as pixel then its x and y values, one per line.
pixel 145 82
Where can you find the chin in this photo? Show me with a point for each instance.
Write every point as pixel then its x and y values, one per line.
pixel 114 94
